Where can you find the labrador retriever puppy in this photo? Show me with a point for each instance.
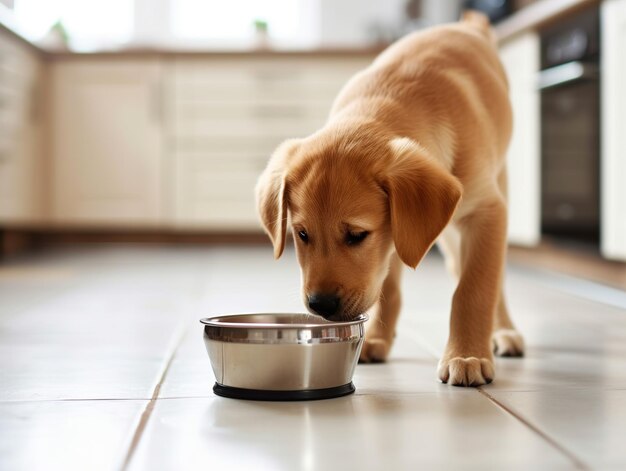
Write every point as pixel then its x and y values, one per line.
pixel 413 153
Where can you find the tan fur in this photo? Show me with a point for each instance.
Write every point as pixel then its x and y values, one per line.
pixel 414 144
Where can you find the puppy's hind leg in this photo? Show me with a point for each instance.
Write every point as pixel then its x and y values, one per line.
pixel 381 328
pixel 507 341
pixel 449 243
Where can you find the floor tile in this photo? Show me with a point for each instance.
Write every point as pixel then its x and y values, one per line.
pixel 106 336
pixel 97 346
pixel 545 370
pixel 589 422
pixel 102 323
pixel 449 430
pixel 190 374
pixel 66 435
pixel 572 342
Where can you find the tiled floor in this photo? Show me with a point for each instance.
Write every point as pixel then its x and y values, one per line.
pixel 102 366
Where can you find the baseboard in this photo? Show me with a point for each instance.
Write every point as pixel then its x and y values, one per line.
pixel 590 265
pixel 16 241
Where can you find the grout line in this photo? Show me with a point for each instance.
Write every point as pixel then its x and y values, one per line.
pixel 551 441
pixel 207 396
pixel 74 399
pixel 174 398
pixel 145 415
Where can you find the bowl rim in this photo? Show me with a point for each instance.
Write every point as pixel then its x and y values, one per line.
pixel 218 321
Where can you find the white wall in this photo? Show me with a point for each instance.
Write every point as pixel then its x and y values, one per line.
pixel 441 11
pixel 151 21
pixel 328 23
pixel 350 22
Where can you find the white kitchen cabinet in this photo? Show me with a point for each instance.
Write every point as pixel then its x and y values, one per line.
pixel 20 134
pixel 226 116
pixel 613 133
pixel 520 56
pixel 107 142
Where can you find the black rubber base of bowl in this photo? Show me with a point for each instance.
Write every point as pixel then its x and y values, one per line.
pixel 300 395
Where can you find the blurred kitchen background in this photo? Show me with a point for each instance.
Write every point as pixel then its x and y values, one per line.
pixel 148 121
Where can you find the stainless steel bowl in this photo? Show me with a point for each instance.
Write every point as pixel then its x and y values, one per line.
pixel 283 356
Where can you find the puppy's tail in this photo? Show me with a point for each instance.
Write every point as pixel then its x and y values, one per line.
pixel 480 22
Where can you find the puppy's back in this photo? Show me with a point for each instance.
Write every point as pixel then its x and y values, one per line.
pixel 447 77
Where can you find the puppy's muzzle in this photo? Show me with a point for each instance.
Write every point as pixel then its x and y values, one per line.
pixel 326 305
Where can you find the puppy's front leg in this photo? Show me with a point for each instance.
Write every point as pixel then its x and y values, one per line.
pixel 468 358
pixel 381 329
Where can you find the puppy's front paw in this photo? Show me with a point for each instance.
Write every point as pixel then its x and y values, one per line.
pixel 375 350
pixel 508 343
pixel 466 371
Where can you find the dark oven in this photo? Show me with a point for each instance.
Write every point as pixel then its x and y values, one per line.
pixel 570 128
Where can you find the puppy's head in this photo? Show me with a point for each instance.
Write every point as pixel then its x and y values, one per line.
pixel 353 200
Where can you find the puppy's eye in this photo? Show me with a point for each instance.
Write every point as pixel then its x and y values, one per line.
pixel 355 238
pixel 304 237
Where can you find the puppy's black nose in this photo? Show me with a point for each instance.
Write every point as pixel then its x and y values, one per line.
pixel 326 305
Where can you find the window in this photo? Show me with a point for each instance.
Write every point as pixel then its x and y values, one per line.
pixel 85 21
pixel 232 20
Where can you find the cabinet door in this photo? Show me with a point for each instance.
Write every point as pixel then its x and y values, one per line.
pixel 520 57
pixel 107 137
pixel 226 118
pixel 20 126
pixel 613 132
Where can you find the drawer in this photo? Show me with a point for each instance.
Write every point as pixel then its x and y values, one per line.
pixel 15 63
pixel 203 157
pixel 259 144
pixel 271 80
pixel 13 102
pixel 295 95
pixel 258 110
pixel 10 125
pixel 215 197
pixel 227 217
pixel 15 90
pixel 7 147
pixel 249 128
pixel 232 178
pixel 8 94
pixel 240 71
pixel 222 162
pixel 224 186
pixel 286 93
pixel 16 99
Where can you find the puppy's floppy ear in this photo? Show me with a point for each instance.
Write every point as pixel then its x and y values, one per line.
pixel 271 195
pixel 422 199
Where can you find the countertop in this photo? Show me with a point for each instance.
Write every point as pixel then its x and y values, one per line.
pixel 538 15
